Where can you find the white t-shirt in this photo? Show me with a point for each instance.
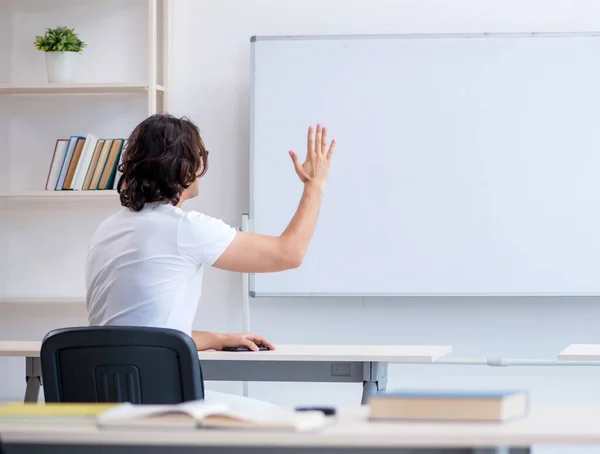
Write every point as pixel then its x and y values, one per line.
pixel 145 268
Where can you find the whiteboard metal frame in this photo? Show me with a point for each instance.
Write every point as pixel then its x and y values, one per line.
pixel 253 294
pixel 423 36
pixel 249 280
pixel 245 298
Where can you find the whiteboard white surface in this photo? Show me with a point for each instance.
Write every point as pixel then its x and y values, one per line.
pixel 465 165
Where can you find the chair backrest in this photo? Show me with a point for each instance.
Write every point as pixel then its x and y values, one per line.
pixel 133 364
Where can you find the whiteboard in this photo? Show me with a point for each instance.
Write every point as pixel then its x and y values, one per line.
pixel 465 165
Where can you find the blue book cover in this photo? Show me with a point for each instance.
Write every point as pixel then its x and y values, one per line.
pixel 450 394
pixel 67 161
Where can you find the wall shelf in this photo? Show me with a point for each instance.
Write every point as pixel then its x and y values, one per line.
pixel 76 89
pixel 59 195
pixel 43 300
pixel 149 86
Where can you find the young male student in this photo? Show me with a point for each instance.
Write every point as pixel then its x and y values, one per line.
pixel 145 263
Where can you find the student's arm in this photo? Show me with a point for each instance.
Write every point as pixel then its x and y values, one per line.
pixel 257 253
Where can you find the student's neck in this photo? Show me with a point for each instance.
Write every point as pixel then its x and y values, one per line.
pixel 182 199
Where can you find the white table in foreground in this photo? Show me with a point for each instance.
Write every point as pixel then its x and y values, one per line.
pixel 550 425
pixel 580 352
pixel 366 364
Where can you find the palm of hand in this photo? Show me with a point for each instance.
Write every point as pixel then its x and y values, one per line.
pixel 307 167
pixel 315 168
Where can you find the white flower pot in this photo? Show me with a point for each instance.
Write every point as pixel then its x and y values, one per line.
pixel 62 67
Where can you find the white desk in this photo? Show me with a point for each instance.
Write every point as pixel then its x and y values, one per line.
pixel 580 352
pixel 553 425
pixel 366 364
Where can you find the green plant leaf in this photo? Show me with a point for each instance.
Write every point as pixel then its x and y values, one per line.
pixel 59 39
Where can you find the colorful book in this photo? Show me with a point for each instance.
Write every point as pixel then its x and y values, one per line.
pixel 52 412
pixel 110 168
pixel 92 167
pixel 60 149
pixel 67 161
pixel 84 162
pixel 449 405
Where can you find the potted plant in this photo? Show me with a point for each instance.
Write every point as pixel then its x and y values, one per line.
pixel 62 48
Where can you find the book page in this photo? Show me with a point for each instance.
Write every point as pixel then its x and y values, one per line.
pixel 196 411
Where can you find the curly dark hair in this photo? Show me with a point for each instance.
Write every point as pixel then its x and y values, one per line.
pixel 164 156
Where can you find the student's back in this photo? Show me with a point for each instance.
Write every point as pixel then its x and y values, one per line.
pixel 146 262
pixel 145 268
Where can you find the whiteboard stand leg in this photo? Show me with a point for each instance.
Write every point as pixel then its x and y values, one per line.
pixel 245 298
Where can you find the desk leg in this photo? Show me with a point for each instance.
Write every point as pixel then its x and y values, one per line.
pixel 33 377
pixel 374 380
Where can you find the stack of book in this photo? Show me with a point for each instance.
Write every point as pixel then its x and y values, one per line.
pixel 85 163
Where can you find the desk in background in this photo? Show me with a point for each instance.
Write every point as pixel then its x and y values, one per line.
pixel 580 352
pixel 366 364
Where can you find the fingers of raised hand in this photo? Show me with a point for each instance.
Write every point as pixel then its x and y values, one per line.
pixel 310 143
pixel 318 139
pixel 323 149
pixel 331 149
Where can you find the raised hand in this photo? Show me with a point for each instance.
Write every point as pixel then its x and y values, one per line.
pixel 315 169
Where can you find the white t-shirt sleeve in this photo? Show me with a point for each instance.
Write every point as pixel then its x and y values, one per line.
pixel 202 238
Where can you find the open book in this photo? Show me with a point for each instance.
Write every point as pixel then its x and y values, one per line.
pixel 201 414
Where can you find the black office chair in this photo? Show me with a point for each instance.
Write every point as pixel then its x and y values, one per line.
pixel 120 364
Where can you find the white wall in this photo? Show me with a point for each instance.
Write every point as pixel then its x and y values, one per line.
pixel 210 83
